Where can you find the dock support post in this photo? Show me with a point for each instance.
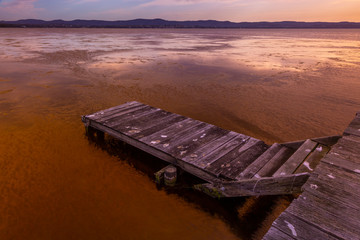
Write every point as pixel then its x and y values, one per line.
pixel 170 176
pixel 168 173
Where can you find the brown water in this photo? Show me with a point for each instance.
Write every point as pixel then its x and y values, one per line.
pixel 275 85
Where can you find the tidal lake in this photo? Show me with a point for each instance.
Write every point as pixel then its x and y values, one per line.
pixel 274 85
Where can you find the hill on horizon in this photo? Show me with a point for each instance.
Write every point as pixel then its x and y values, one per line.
pixel 161 23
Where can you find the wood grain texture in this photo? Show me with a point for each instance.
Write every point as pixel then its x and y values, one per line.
pixel 329 207
pixel 275 162
pixel 256 165
pixel 296 159
pixel 263 186
pixel 298 229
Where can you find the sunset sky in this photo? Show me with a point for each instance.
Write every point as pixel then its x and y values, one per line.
pixel 232 10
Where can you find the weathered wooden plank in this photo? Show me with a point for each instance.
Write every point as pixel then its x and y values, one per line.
pixel 155 152
pixel 354 127
pixel 352 138
pixel 236 161
pixel 288 184
pixel 130 116
pixel 328 215
pixel 275 234
pixel 339 191
pixel 300 229
pixel 256 165
pixel 161 141
pixel 157 126
pixel 110 111
pixel 327 220
pixel 347 148
pixel 170 131
pixel 243 160
pixel 352 131
pixel 236 142
pixel 209 147
pixel 121 112
pixel 296 159
pixel 342 163
pixel 135 125
pixel 350 180
pixel 190 133
pixel 196 141
pixel 313 159
pixel 275 162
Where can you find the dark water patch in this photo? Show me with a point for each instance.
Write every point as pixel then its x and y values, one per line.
pixel 245 216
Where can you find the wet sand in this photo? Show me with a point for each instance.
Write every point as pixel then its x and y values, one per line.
pixel 275 85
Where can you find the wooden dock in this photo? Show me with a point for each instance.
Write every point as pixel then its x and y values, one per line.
pixel 231 164
pixel 329 207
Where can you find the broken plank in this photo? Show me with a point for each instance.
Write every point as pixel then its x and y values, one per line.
pixel 296 159
pixel 263 186
pixel 256 165
pixel 313 159
pixel 275 162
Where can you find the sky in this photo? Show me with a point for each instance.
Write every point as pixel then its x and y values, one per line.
pixel 223 10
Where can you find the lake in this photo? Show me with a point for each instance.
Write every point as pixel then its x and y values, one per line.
pixel 276 85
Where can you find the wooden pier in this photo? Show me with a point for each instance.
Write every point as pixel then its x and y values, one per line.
pixel 231 164
pixel 329 207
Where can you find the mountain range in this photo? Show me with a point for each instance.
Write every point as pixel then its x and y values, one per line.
pixel 160 23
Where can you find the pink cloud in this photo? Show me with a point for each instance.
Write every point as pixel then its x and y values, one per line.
pixel 16 9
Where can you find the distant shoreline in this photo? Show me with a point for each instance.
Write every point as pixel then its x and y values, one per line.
pixel 160 23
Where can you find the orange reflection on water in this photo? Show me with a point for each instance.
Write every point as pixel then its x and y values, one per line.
pixel 276 85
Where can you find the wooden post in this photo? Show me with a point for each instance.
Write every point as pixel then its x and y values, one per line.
pixel 170 176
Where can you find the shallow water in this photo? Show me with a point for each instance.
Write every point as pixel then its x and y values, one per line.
pixel 275 85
